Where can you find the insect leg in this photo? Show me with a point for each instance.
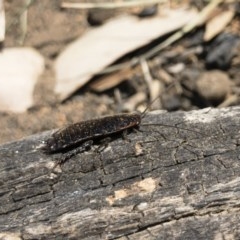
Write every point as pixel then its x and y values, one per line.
pixel 124 135
pixel 75 151
pixel 103 144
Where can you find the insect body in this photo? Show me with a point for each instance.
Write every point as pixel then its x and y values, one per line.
pixel 79 136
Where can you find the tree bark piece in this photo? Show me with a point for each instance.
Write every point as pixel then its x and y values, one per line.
pixel 179 182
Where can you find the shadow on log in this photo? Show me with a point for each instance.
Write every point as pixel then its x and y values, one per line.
pixel 178 182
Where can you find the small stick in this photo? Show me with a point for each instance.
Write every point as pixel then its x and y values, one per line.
pixel 2 21
pixel 110 5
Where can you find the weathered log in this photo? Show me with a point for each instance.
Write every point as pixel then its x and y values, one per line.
pixel 179 182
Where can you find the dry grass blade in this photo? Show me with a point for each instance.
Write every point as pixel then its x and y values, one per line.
pixel 200 19
pixel 111 5
pixel 24 23
pixel 2 21
pixel 20 13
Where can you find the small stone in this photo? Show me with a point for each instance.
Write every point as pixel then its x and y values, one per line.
pixel 213 86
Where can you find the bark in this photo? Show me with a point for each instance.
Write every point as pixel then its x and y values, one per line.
pixel 179 181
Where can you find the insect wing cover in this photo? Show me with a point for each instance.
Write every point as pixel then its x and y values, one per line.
pixel 89 130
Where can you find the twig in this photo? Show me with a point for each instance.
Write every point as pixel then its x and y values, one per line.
pixel 15 20
pixel 24 23
pixel 147 77
pixel 2 21
pixel 200 19
pixel 110 5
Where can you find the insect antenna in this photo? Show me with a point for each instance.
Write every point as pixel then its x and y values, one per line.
pixel 143 114
pixel 190 130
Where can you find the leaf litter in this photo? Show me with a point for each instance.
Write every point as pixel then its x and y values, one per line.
pixel 99 47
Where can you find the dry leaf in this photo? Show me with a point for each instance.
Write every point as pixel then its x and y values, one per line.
pixel 101 46
pixel 19 71
pixel 218 24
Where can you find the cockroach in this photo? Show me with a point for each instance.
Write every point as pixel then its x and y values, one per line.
pixel 77 137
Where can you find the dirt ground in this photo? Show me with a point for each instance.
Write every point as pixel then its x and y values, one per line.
pixel 49 30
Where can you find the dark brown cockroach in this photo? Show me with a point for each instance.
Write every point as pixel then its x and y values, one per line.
pixel 79 136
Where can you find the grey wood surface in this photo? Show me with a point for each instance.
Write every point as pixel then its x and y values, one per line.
pixel 180 181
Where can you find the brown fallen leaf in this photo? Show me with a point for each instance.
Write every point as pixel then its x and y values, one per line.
pixel 217 24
